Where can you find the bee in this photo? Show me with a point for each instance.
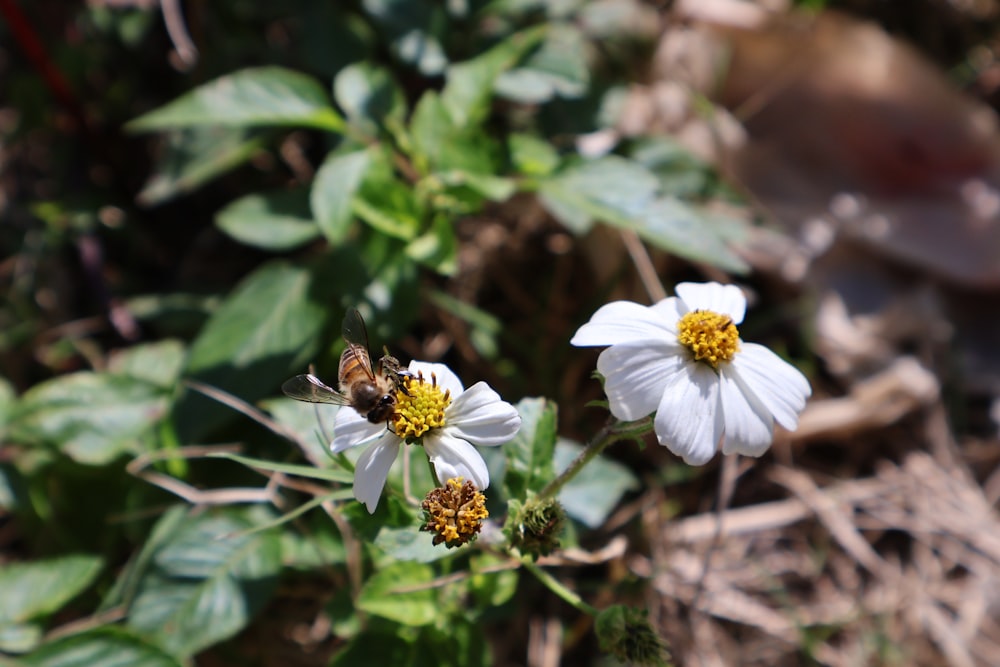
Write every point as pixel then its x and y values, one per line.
pixel 370 391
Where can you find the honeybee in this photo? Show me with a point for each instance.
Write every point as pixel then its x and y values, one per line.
pixel 370 391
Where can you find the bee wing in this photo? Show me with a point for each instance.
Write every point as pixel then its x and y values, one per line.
pixel 354 329
pixel 311 389
pixel 356 335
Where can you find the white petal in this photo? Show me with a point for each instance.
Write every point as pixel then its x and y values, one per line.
pixel 689 418
pixel 623 322
pixel 669 310
pixel 479 415
pixel 444 376
pixel 722 299
pixel 373 468
pixel 634 377
pixel 453 457
pixel 749 425
pixel 778 385
pixel 351 429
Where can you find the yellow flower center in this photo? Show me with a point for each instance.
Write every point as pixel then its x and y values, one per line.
pixel 454 512
pixel 420 408
pixel 710 336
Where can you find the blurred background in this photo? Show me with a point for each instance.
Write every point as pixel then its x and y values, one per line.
pixel 477 178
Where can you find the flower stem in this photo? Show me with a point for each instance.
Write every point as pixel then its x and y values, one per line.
pixel 612 432
pixel 556 587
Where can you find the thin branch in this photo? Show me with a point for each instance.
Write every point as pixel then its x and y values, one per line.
pixel 250 411
pixel 173 19
pixel 644 265
pixel 138 465
pixel 727 484
pixel 80 625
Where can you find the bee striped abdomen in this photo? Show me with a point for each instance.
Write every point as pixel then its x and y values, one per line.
pixel 353 366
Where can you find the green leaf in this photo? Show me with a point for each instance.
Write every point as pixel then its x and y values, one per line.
pixel 268 325
pixel 311 422
pixel 329 36
pixel 495 188
pixel 333 190
pixel 532 155
pixel 393 289
pixel 457 643
pixel 392 512
pixel 593 494
pixel 380 219
pixel 558 68
pixel 610 189
pixel 386 594
pixel 485 328
pixel 174 313
pixel 410 25
pixel 369 96
pixel 685 230
pixel 157 363
pixel 625 194
pixel 491 589
pixel 408 543
pixel 32 590
pixel 376 648
pixel 469 88
pixel 460 643
pixel 106 647
pixel 437 248
pixel 681 174
pixel 529 454
pixel 422 49
pixel 195 156
pixel 317 501
pixel 19 638
pixel 445 145
pixel 90 417
pixel 314 548
pixel 276 221
pixel 206 582
pixel 13 491
pixel 386 204
pixel 253 96
pixel 312 472
pixel 8 401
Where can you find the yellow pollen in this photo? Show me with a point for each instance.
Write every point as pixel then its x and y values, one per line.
pixel 454 512
pixel 712 337
pixel 422 409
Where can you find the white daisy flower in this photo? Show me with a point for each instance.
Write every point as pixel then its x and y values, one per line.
pixel 683 359
pixel 439 413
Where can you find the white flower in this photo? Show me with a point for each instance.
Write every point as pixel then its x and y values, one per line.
pixel 443 416
pixel 682 358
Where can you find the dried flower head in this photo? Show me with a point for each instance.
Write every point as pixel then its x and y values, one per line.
pixel 454 512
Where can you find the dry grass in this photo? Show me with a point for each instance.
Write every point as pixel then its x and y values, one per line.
pixel 898 568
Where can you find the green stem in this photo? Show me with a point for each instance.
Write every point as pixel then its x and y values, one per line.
pixel 612 432
pixel 556 587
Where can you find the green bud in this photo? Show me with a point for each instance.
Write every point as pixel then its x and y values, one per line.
pixel 534 528
pixel 626 633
